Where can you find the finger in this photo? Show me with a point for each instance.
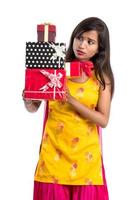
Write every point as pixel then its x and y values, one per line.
pixel 23 95
pixel 23 92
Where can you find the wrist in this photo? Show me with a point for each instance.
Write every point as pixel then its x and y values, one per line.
pixel 71 100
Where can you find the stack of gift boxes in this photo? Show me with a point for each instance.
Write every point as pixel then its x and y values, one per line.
pixel 46 69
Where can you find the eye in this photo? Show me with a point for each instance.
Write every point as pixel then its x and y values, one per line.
pixel 90 42
pixel 80 38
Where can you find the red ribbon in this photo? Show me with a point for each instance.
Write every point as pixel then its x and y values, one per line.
pixel 86 66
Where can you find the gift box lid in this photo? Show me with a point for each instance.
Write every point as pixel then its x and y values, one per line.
pixel 51 27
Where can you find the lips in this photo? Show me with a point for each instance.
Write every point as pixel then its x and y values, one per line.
pixel 80 53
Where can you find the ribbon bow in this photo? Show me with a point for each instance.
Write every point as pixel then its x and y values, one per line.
pixel 87 67
pixel 54 81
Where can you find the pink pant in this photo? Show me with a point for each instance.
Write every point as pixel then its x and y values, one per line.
pixel 50 191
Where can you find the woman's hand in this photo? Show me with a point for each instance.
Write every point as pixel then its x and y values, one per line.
pixel 31 105
pixel 28 102
pixel 69 97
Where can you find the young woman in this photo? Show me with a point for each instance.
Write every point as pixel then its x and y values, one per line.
pixel 70 165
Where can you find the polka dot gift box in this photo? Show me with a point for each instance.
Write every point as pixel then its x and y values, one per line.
pixel 45 55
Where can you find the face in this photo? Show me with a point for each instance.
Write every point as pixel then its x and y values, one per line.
pixel 86 45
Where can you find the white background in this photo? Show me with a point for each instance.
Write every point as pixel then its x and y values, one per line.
pixel 20 131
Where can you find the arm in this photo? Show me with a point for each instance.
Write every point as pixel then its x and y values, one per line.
pixel 101 116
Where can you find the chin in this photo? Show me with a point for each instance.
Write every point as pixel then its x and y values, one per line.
pixel 81 58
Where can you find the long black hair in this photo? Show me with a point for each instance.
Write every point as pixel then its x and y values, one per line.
pixel 101 60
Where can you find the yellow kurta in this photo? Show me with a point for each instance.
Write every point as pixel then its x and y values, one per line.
pixel 70 151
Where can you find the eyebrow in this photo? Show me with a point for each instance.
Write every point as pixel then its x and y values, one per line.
pixel 92 39
pixel 87 38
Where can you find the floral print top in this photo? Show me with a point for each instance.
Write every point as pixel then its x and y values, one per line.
pixel 70 151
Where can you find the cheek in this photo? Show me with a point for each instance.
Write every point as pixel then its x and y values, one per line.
pixel 95 50
pixel 75 44
pixel 92 52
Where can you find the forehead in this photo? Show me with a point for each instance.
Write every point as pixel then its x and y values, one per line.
pixel 91 35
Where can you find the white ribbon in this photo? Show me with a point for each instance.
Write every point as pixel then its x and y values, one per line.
pixel 46 32
pixel 54 81
pixel 60 52
pixel 68 69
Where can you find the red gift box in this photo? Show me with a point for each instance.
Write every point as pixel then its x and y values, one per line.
pixel 46 32
pixel 73 69
pixel 45 84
